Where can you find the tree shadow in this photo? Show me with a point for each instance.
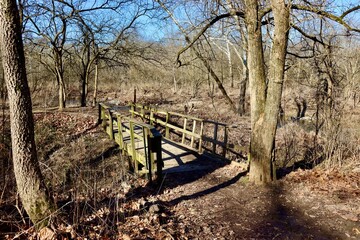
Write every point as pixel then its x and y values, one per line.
pixel 282 219
pixel 185 173
pixel 209 190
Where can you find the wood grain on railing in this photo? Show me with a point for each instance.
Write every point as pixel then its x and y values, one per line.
pixel 189 129
pixel 143 142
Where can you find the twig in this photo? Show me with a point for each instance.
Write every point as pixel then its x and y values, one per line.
pixel 32 227
pixel 162 182
pixel 17 207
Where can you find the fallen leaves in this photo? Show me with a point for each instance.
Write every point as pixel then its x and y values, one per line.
pixel 334 182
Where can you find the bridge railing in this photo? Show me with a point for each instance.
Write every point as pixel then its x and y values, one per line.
pixel 196 133
pixel 188 129
pixel 141 141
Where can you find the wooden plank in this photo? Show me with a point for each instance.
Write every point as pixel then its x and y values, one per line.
pixel 215 138
pixel 181 130
pixel 132 144
pixel 193 132
pixel 167 130
pixel 120 139
pixel 111 126
pixel 225 141
pixel 185 116
pixel 184 131
pixel 201 136
pixel 213 141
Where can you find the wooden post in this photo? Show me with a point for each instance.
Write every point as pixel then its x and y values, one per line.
pixel 225 140
pixel 192 137
pixel 184 128
pixel 201 136
pixel 150 158
pixel 111 125
pixel 132 110
pixel 167 130
pixel 156 147
pixel 100 116
pixel 142 111
pixel 134 96
pixel 120 133
pixel 215 137
pixel 151 116
pixel 133 150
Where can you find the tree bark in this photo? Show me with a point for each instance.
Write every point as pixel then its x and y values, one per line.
pixel 62 96
pixel 59 71
pixel 84 85
pixel 95 85
pixel 265 98
pixel 29 180
pixel 242 94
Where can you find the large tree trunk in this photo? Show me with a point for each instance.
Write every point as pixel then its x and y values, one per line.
pixel 257 78
pixel 30 184
pixel 265 99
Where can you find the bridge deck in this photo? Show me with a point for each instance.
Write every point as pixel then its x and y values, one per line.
pixel 137 131
pixel 174 155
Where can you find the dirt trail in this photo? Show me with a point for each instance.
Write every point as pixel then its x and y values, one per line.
pixel 221 204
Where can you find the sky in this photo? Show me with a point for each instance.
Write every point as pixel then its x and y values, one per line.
pixel 156 30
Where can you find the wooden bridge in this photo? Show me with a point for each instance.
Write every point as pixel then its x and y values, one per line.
pixel 160 141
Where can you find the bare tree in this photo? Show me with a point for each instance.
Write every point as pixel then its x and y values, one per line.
pixel 198 54
pixel 51 26
pixel 30 182
pixel 48 27
pixel 266 77
pixel 98 40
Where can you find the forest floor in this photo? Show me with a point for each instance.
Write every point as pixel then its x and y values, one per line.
pixel 99 199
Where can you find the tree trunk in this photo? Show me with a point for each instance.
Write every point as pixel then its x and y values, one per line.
pixel 231 74
pixel 59 71
pixel 62 97
pixel 216 78
pixel 242 94
pixel 84 77
pixel 265 99
pixel 29 180
pixel 257 79
pixel 83 89
pixel 95 85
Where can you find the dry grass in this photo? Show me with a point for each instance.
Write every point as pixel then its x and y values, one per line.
pixel 90 182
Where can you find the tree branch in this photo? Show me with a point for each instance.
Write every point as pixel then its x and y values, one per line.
pixel 206 27
pixel 312 37
pixel 349 11
pixel 338 19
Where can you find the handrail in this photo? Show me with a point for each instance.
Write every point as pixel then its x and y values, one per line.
pixel 141 136
pixel 187 132
pixel 191 129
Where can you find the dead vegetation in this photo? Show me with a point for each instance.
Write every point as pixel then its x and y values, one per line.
pixel 97 198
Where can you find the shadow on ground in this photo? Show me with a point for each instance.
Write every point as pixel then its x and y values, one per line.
pixel 267 213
